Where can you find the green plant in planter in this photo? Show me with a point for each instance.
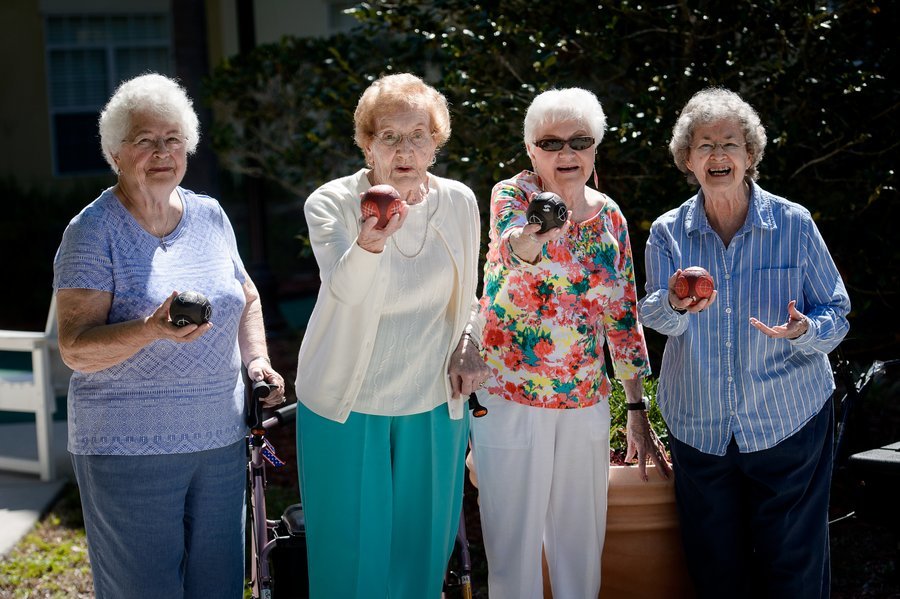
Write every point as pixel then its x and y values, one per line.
pixel 618 418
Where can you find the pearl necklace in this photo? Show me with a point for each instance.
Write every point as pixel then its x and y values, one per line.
pixel 429 212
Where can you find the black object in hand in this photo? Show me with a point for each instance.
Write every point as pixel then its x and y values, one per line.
pixel 478 410
pixel 190 307
pixel 548 210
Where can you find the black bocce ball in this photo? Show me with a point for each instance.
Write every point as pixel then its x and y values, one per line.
pixel 190 307
pixel 548 210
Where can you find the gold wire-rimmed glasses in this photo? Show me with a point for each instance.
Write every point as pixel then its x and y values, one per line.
pixel 418 138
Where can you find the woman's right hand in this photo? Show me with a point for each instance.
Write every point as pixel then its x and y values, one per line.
pixel 527 243
pixel 689 303
pixel 163 328
pixel 88 343
pixel 372 239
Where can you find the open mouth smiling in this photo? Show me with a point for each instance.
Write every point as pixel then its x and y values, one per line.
pixel 719 171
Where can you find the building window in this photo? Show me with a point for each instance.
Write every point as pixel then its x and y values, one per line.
pixel 87 57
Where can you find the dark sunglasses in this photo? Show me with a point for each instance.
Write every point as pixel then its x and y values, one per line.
pixel 555 145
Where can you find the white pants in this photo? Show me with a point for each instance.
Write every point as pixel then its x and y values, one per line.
pixel 542 479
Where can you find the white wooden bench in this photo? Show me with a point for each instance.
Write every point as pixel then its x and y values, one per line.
pixel 34 391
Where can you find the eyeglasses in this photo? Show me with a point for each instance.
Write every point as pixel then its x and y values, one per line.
pixel 729 148
pixel 419 138
pixel 555 145
pixel 172 143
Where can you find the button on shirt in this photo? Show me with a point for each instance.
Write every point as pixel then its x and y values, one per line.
pixel 720 376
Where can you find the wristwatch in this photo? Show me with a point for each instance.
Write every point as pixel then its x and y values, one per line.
pixel 679 310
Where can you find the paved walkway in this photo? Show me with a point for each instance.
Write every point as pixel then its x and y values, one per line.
pixel 23 497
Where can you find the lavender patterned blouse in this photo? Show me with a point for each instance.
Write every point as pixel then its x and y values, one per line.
pixel 168 397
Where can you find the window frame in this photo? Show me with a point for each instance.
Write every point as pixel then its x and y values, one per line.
pixel 109 45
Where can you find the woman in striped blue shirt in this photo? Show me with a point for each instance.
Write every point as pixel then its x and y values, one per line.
pixel 745 383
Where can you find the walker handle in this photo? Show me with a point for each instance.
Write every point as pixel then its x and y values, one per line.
pixel 253 412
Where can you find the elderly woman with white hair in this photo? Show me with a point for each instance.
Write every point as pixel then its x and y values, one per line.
pixel 156 427
pixel 745 384
pixel 551 301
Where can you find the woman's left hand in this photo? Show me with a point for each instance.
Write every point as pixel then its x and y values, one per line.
pixel 796 326
pixel 643 443
pixel 260 369
pixel 467 370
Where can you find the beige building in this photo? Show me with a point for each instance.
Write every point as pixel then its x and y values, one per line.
pixel 61 60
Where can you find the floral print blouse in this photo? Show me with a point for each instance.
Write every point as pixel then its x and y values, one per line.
pixel 546 324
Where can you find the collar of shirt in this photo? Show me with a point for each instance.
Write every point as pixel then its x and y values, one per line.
pixel 760 213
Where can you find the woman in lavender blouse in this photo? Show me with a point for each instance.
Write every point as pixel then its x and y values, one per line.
pixel 156 430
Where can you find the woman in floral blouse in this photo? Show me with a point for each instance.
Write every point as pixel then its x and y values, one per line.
pixel 551 301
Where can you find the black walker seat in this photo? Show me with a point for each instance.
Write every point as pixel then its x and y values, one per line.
pixel 288 558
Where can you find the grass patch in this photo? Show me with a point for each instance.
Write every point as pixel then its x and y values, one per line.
pixel 52 560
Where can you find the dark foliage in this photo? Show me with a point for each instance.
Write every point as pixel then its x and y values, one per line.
pixel 818 73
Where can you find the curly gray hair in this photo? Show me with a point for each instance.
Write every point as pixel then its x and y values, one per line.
pixel 712 105
pixel 151 93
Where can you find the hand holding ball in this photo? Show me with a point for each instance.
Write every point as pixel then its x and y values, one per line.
pixel 382 201
pixel 695 282
pixel 190 307
pixel 548 210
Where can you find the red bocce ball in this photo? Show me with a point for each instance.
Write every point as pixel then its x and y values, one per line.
pixel 382 201
pixel 695 282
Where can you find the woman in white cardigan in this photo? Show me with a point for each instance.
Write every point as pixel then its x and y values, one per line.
pixel 389 357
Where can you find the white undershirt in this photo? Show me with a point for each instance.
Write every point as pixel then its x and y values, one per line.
pixel 409 353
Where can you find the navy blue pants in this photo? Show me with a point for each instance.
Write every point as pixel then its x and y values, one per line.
pixel 756 524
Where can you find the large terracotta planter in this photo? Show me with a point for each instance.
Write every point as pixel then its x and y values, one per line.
pixel 642 554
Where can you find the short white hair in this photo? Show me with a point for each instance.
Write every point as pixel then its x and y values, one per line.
pixel 153 93
pixel 569 104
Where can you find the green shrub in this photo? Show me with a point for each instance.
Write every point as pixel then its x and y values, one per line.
pixel 817 73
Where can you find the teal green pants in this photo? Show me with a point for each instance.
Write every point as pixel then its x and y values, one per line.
pixel 382 497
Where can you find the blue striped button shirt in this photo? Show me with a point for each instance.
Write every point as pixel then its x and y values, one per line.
pixel 720 376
